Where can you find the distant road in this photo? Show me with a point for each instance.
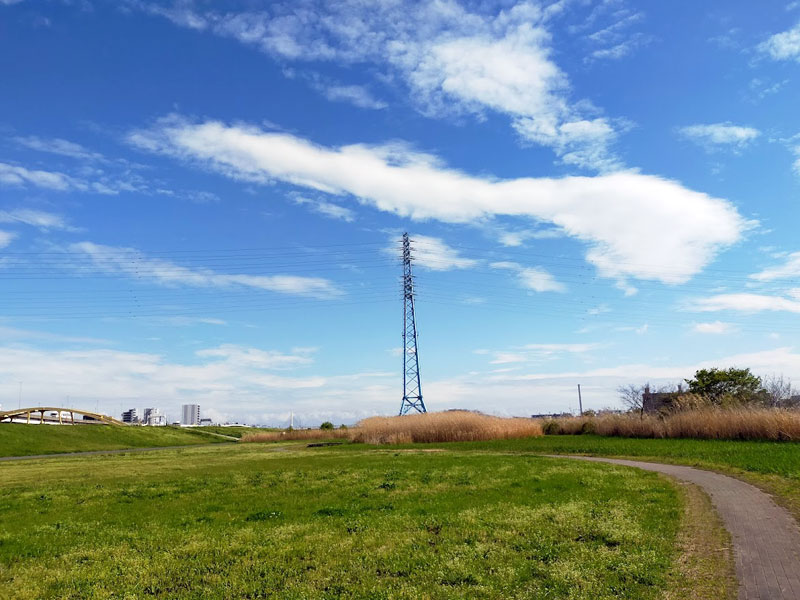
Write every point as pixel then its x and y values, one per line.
pixel 120 451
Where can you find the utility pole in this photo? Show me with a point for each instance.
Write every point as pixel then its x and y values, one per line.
pixel 580 400
pixel 412 388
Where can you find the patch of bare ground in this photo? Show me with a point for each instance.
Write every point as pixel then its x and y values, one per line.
pixel 705 566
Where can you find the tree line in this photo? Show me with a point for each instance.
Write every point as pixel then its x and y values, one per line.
pixel 715 387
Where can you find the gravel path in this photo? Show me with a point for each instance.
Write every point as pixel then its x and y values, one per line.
pixel 766 539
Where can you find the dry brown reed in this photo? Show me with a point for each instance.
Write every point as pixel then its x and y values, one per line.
pixel 296 434
pixel 707 423
pixel 450 426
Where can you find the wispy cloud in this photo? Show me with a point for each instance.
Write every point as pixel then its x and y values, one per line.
pixel 532 278
pixel 747 303
pixel 35 218
pixel 357 95
pixel 19 176
pixel 6 237
pixel 539 352
pixel 788 269
pixel 717 135
pixel 59 146
pixel 714 328
pixel 133 263
pixel 325 208
pixel 434 254
pixel 249 357
pixel 693 226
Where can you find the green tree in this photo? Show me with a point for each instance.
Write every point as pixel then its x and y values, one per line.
pixel 326 425
pixel 728 386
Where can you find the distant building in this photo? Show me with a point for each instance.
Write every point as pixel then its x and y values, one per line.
pixel 659 402
pixel 551 415
pixel 206 422
pixel 153 417
pixel 130 416
pixel 190 414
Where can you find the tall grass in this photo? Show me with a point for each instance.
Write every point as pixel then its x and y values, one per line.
pixel 450 426
pixel 707 424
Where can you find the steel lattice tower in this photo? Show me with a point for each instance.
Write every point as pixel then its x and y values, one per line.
pixel 412 388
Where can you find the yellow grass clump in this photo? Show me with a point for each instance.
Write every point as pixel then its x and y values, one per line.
pixel 707 424
pixel 450 426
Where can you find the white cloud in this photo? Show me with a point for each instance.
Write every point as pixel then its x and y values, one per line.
pixel 614 214
pixel 749 303
pixel 720 134
pixel 35 218
pixel 434 254
pixel 450 59
pixel 532 278
pixel 783 46
pixel 252 383
pixel 327 209
pixel 131 262
pixel 716 328
pixel 6 237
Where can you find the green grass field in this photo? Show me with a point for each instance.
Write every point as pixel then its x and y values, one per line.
pixel 264 521
pixel 24 440
pixel 774 466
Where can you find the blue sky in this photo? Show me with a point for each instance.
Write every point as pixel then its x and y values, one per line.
pixel 201 202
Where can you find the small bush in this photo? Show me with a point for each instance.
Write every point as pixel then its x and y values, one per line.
pixel 551 428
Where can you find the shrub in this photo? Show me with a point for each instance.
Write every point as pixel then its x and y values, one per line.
pixel 326 425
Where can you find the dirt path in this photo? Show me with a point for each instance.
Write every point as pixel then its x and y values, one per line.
pixel 766 539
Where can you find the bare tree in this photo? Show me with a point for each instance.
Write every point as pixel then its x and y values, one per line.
pixel 631 396
pixel 779 391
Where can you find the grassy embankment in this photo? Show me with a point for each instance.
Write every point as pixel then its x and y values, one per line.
pixel 345 522
pixel 234 431
pixel 18 439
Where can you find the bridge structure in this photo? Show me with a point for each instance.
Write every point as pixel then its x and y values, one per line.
pixel 39 416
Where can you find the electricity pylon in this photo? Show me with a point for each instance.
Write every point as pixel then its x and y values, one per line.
pixel 412 388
